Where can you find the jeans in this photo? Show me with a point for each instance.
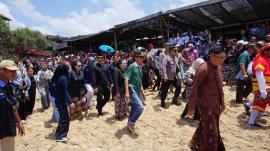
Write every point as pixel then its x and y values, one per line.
pixel 63 124
pixel 55 115
pixel 45 100
pixel 136 107
pixel 244 88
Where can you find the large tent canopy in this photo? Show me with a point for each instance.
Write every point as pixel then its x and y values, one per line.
pixel 212 14
pixel 219 13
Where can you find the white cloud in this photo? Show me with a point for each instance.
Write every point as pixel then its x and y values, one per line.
pixel 83 21
pixel 181 3
pixel 5 10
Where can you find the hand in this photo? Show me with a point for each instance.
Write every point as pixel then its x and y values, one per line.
pixel 245 76
pixel 117 96
pixel 96 90
pixel 27 98
pixel 264 95
pixel 127 97
pixel 21 131
pixel 191 113
pixel 72 107
pixel 222 108
pixel 143 96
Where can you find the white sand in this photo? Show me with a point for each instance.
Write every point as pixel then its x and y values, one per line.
pixel 158 130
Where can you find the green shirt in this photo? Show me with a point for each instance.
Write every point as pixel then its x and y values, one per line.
pixel 134 76
pixel 244 58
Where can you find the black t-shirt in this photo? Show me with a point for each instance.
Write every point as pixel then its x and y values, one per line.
pixel 7 103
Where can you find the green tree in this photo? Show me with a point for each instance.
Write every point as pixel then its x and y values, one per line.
pixel 26 39
pixel 4 35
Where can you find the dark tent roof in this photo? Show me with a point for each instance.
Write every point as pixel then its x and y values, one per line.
pixel 219 13
pixel 212 14
pixel 4 17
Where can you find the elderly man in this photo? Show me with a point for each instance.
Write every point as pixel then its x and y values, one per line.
pixel 8 107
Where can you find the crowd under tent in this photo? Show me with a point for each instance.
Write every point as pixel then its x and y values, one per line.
pixel 215 15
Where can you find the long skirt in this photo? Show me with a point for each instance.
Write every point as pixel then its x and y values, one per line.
pixel 207 135
pixel 121 108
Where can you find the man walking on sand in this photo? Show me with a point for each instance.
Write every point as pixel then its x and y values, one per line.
pixel 9 115
pixel 134 90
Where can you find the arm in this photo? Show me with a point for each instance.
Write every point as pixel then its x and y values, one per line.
pixel 28 85
pixel 116 80
pixel 94 77
pixel 261 83
pixel 164 65
pixel 243 69
pixel 64 87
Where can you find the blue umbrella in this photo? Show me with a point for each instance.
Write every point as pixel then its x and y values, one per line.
pixel 106 48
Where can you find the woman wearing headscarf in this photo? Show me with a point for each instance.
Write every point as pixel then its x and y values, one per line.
pixel 121 107
pixel 62 101
pixel 187 59
pixel 77 87
pixel 188 79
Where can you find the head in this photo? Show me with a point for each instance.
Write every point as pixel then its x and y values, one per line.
pixel 30 72
pixel 76 66
pixel 253 39
pixel 44 66
pixel 7 70
pixel 217 55
pixel 100 59
pixel 267 50
pixel 122 64
pixel 172 51
pixel 251 48
pixel 61 70
pixel 267 38
pixel 91 60
pixel 139 57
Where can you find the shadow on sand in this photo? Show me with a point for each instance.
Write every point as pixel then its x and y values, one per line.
pixel 123 131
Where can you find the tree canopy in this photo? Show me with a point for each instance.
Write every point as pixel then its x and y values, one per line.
pixel 20 39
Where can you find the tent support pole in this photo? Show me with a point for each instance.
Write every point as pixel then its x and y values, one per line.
pixel 90 45
pixel 115 40
pixel 168 30
pixel 161 31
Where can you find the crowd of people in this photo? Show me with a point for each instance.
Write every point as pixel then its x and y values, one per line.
pixel 194 67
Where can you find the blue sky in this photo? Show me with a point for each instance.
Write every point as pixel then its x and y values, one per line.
pixel 79 17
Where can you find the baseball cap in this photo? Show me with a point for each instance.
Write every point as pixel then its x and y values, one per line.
pixel 8 64
pixel 138 53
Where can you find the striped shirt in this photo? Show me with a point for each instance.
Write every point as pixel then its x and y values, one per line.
pixel 206 89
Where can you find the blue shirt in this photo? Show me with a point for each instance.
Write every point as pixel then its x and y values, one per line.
pixel 8 102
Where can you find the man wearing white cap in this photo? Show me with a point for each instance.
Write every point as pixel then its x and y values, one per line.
pixel 9 115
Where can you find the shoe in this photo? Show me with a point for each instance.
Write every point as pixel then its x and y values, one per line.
pixel 131 128
pixel 176 103
pixel 163 105
pixel 247 109
pixel 63 140
pixel 256 125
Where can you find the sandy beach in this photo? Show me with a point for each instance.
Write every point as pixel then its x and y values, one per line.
pixel 158 130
